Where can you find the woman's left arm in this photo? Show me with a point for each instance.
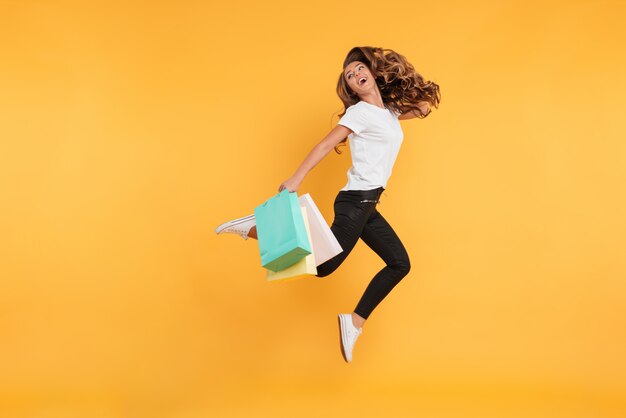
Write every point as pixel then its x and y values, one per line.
pixel 424 109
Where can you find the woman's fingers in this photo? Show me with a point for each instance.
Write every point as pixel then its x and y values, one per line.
pixel 287 185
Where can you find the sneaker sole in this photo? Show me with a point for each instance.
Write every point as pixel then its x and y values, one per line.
pixel 232 223
pixel 343 352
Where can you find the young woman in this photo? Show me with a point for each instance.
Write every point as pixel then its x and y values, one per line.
pixel 378 87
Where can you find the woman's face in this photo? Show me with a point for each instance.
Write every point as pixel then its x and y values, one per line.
pixel 359 78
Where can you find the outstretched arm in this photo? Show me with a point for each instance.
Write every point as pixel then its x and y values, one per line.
pixel 424 109
pixel 316 155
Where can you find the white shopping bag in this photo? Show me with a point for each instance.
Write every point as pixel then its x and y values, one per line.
pixel 325 245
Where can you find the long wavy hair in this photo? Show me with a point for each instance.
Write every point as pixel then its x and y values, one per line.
pixel 401 87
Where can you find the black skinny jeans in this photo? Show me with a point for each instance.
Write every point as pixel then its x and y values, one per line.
pixel 356 217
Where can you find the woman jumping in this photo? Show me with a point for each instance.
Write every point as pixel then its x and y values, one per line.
pixel 378 87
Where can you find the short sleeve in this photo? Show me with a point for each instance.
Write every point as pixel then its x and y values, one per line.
pixel 354 119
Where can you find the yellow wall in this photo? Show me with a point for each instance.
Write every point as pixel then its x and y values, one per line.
pixel 130 130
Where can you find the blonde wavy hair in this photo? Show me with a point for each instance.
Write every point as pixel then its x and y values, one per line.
pixel 401 87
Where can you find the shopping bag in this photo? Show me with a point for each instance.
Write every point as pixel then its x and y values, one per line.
pixel 306 266
pixel 281 231
pixel 325 245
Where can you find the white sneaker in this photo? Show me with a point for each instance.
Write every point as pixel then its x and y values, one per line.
pixel 239 226
pixel 348 334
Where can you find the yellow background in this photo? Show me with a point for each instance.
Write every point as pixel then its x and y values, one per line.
pixel 130 130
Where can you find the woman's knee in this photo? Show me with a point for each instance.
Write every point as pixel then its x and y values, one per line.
pixel 322 273
pixel 324 270
pixel 402 266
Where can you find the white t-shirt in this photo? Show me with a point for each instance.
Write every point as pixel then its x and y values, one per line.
pixel 374 145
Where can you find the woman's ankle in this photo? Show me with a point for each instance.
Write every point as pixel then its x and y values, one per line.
pixel 357 320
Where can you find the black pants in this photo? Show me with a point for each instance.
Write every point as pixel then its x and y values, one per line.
pixel 356 217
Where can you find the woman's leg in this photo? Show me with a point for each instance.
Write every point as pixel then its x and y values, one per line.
pixel 352 211
pixel 381 238
pixel 351 215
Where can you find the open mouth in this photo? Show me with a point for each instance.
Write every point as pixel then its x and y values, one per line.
pixel 362 81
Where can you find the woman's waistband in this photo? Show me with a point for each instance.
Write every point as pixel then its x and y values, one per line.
pixel 372 194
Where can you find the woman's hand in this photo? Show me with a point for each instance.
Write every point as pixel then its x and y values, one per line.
pixel 290 184
pixel 424 107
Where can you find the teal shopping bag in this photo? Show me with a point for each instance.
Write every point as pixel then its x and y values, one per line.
pixel 281 231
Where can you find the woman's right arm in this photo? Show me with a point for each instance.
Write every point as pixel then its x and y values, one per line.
pixel 316 155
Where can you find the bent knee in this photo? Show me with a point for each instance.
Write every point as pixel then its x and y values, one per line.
pixel 322 273
pixel 402 266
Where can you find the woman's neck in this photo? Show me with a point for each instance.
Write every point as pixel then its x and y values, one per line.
pixel 373 98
